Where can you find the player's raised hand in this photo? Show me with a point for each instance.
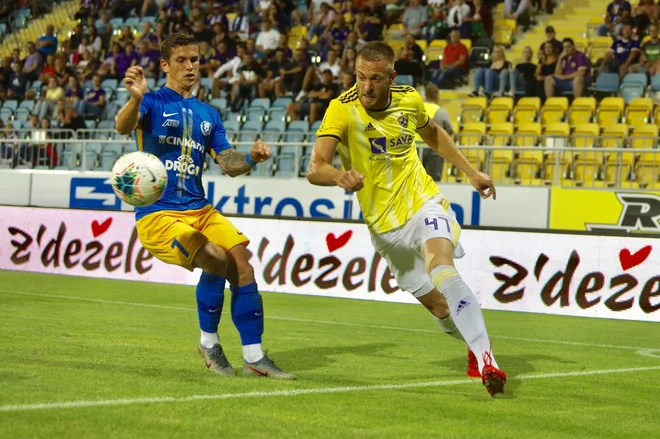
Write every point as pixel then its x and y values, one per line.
pixel 483 184
pixel 260 152
pixel 350 181
pixel 135 82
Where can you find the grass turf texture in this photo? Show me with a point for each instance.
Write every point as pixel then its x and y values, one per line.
pixel 55 350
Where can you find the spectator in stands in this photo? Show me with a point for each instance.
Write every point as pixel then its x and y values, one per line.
pixel 348 61
pixel 645 14
pixel 331 63
pixel 336 33
pixel 105 29
pixel 95 43
pixel 33 63
pixel 124 60
pixel 5 77
pixel 95 100
pixel 520 10
pixel 73 93
pixel 458 17
pixel 622 54
pixel 616 14
pixel 227 73
pixel 251 46
pixel 433 163
pixel 437 26
pixel 239 26
pixel 42 148
pixel 217 15
pixel 454 61
pixel 269 37
pixel 523 74
pixel 88 66
pixel 546 67
pixel 650 56
pixel 76 38
pixel 415 18
pixel 551 37
pixel 11 149
pixel 48 101
pixel 481 21
pixel 276 69
pixel 125 37
pixel 250 74
pixel 493 79
pixel 347 81
pixel 148 60
pixel 409 60
pixel 47 43
pixel 571 74
pixel 18 82
pixel 48 70
pixel 72 120
pixel 62 71
pixel 317 100
pixel 108 68
pixel 321 21
pixel 352 42
pixel 293 80
pixel 148 35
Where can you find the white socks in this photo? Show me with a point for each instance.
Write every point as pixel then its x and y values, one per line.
pixel 251 353
pixel 208 340
pixel 464 310
pixel 449 327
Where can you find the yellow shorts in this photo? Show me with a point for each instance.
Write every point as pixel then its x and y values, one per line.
pixel 175 237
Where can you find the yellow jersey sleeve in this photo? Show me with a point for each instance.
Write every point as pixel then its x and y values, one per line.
pixel 335 122
pixel 423 117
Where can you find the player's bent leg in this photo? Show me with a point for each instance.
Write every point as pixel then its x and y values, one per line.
pixel 464 309
pixel 212 259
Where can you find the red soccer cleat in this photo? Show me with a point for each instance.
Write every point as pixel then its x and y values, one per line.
pixel 493 378
pixel 473 365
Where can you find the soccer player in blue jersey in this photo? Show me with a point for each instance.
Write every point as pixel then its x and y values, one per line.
pixel 183 228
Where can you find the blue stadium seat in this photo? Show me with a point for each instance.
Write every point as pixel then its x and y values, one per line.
pixel 117 22
pixel 606 83
pixel 207 83
pixel 107 161
pixel 90 124
pixel 110 83
pixel 22 115
pixel 111 148
pixel 255 114
pixel 68 159
pixel 250 131
pixel 6 114
pixel 231 123
pixel 96 148
pixel 263 103
pixel 285 165
pixel 132 21
pixel 277 114
pixel 149 19
pixel 281 103
pixel 151 83
pixel 296 131
pixel 10 104
pixel 26 105
pixel 639 78
pixel 273 131
pixel 106 125
pixel 404 80
pixel 90 157
pixel 161 83
pixel 631 91
pixel 219 103
pixel 17 124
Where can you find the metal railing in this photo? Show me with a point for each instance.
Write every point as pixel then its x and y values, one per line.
pixel 557 165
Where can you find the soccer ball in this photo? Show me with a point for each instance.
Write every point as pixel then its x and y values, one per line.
pixel 139 178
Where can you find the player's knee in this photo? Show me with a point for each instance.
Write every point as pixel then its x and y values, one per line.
pixel 212 259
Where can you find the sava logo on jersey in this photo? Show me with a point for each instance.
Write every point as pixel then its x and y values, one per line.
pixel 379 145
pixel 183 165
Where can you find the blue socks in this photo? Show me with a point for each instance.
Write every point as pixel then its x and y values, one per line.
pixel 210 298
pixel 247 312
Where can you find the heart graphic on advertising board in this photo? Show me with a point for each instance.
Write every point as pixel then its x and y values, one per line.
pixel 99 229
pixel 336 242
pixel 630 260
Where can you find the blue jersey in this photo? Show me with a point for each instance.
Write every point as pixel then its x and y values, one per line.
pixel 180 131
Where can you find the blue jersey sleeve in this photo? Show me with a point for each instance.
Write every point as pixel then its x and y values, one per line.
pixel 219 140
pixel 146 105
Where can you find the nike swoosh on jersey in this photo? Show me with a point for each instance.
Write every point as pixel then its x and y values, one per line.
pixel 168 114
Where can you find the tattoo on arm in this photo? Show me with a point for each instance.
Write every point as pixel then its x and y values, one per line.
pixel 233 162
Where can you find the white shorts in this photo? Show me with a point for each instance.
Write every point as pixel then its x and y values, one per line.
pixel 402 247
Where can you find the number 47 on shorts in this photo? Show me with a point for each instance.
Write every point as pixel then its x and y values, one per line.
pixel 434 222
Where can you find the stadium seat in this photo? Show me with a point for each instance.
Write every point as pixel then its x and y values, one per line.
pixel 258 114
pixel 527 110
pixel 636 78
pixel 219 104
pixel 473 110
pixel 272 132
pixel 423 44
pixel 10 104
pixel 610 111
pixel 96 148
pixel 554 110
pixel 581 43
pixel 250 130
pixel 395 44
pixel 405 80
pixel 278 114
pixel 473 134
pixel 106 125
pixel 6 115
pixel 528 134
pixel 598 47
pixel 433 53
pixel 614 136
pixel 314 128
pixel 631 91
pixel 112 149
pixel 607 83
pixel 638 112
pixel 499 110
pixel 438 43
pixel 280 103
pixel 110 83
pixel 644 137
pixel 647 170
pixel 655 83
pixel 296 131
pixel 262 103
pixel 90 124
pixel 27 105
pixel 582 110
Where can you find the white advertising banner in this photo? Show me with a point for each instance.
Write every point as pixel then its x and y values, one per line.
pixel 576 275
pixel 525 207
pixel 15 187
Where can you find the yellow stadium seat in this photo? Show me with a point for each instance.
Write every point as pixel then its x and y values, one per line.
pixel 528 163
pixel 499 110
pixel 503 36
pixel 298 30
pixel 644 137
pixel 560 129
pixel 586 136
pixel 527 110
pixel 396 45
pixel 639 112
pixel 629 185
pixel 618 167
pixel 614 136
pixel 554 110
pixel 528 134
pixel 396 27
pixel 473 110
pixel 582 111
pixel 647 170
pixel 467 43
pixel 581 43
pixel 473 134
pixel 610 111
pixel 438 43
pixel 433 54
pixel 500 134
pixel 423 44
pixel 598 47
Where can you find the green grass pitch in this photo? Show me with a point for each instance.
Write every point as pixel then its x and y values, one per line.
pixel 88 358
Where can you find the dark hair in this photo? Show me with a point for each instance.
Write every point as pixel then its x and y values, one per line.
pixel 377 51
pixel 568 40
pixel 176 40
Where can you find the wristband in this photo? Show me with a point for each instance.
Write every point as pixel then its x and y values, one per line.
pixel 249 161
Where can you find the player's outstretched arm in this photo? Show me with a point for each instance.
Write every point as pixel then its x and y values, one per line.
pixel 442 143
pixel 235 163
pixel 320 171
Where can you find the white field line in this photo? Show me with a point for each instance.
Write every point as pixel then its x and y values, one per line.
pixel 300 392
pixel 326 322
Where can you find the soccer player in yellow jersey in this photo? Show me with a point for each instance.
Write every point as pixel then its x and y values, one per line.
pixel 412 225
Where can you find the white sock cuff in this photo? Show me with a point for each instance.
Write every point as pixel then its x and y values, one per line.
pixel 442 274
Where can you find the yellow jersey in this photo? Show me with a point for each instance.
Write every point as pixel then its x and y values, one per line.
pixel 431 109
pixel 381 146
